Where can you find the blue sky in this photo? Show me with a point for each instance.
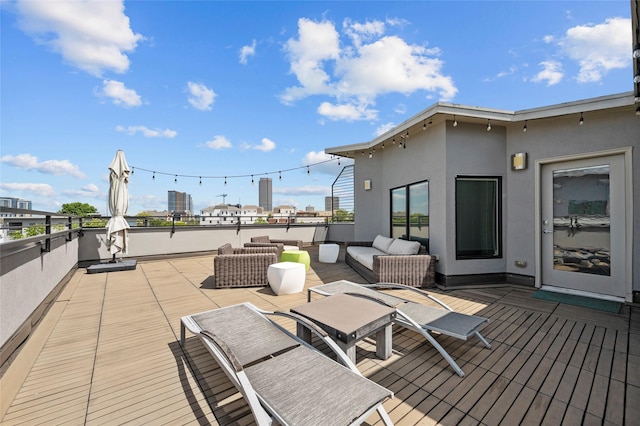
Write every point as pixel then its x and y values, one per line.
pixel 212 89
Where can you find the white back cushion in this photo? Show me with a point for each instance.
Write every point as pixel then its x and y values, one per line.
pixel 382 243
pixel 399 246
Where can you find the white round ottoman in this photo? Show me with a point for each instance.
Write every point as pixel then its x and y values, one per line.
pixel 328 253
pixel 286 277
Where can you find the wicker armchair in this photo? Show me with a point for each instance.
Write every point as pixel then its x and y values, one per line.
pixel 416 270
pixel 243 267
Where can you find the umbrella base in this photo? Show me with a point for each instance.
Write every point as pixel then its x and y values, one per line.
pixel 122 265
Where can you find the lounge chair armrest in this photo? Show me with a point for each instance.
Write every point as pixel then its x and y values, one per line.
pixel 423 293
pixel 228 353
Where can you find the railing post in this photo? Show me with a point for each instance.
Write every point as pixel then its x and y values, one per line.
pixel 70 226
pixel 47 231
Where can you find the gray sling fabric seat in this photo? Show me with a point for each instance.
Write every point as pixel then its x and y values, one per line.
pixel 280 376
pixel 418 317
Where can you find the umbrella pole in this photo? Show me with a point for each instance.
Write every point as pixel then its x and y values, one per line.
pixel 113 260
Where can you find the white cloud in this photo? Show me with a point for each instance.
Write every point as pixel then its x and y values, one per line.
pixel 266 145
pixel 119 94
pixel 88 191
pixel 303 190
pixel 551 73
pixel 246 52
pixel 50 167
pixel 384 128
pixel 37 189
pixel 218 142
pixel 356 74
pixel 93 36
pixel 201 97
pixel 598 48
pixel 321 162
pixel 348 112
pixel 146 132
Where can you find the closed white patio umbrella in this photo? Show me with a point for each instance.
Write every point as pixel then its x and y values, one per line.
pixel 117 226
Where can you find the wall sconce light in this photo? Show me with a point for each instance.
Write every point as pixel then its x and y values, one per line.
pixel 367 184
pixel 519 161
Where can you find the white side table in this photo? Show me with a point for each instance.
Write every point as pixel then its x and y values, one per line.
pixel 286 277
pixel 328 253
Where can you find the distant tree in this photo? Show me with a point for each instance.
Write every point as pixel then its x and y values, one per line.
pixel 78 209
pixel 260 221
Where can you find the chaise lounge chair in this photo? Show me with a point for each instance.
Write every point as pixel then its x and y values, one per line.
pixel 415 316
pixel 281 377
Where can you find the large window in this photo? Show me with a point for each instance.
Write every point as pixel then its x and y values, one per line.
pixel 410 212
pixel 478 217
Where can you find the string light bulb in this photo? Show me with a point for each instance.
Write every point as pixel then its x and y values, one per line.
pixel 176 179
pixel 524 129
pixel 424 125
pixel 308 170
pixel 455 122
pixel 154 176
pixel 225 181
pixel 581 122
pixel 279 175
pixel 200 180
pixel 252 182
pixel 133 170
pixel 488 125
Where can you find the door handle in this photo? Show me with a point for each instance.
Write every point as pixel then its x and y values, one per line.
pixel 547 231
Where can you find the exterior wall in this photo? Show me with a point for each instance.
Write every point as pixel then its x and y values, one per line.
pixel 161 241
pixel 28 278
pixel 470 151
pixel 392 167
pixel 562 136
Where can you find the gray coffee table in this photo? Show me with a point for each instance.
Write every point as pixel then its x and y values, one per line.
pixel 348 319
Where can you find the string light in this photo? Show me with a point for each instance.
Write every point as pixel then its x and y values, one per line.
pixel 455 122
pixel 488 125
pixel 225 178
pixel 581 122
pixel 252 182
pixel 524 129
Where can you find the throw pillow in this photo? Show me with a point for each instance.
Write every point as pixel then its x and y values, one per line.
pixel 382 243
pixel 261 239
pixel 399 246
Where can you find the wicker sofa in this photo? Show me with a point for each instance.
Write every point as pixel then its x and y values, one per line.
pixel 243 267
pixel 390 260
pixel 265 241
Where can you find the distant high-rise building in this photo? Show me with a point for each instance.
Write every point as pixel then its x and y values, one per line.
pixel 180 202
pixel 264 196
pixel 331 203
pixel 15 203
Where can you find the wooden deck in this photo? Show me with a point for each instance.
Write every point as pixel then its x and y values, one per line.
pixel 107 352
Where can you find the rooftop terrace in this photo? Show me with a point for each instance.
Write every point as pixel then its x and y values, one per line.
pixel 107 352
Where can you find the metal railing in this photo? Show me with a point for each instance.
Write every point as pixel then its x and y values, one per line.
pixel 342 196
